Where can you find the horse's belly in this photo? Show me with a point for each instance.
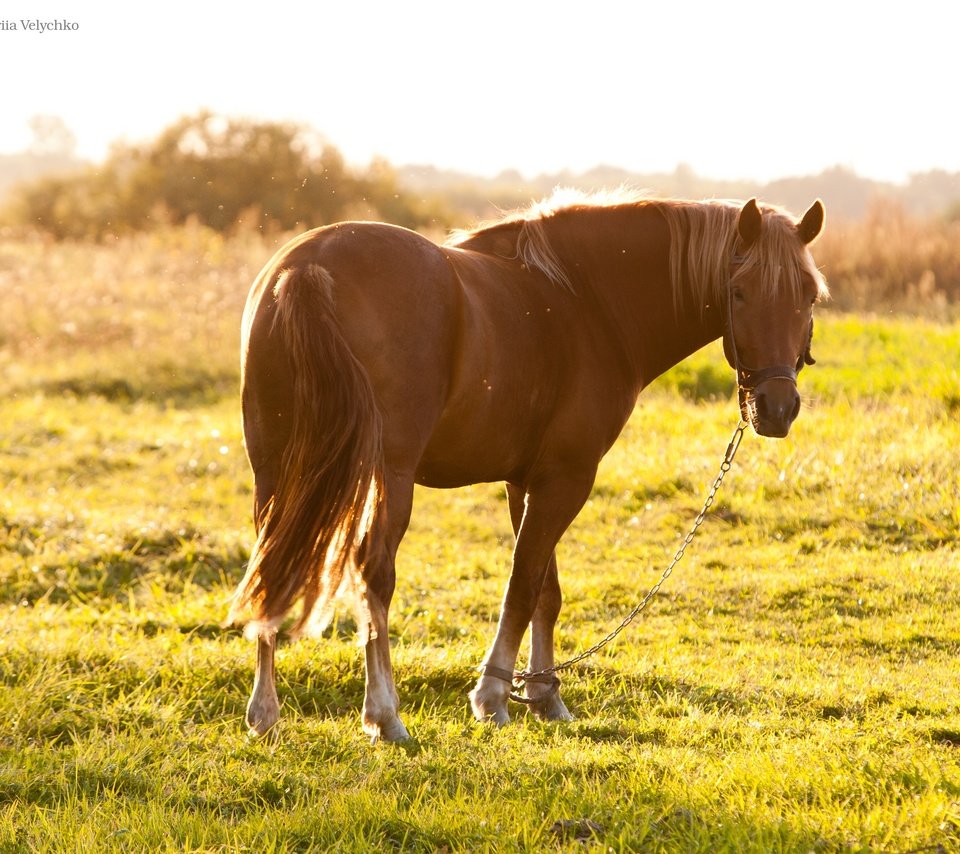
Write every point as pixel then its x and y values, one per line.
pixel 528 427
pixel 446 478
pixel 451 467
pixel 479 447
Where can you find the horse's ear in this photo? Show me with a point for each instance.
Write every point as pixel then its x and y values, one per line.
pixel 812 223
pixel 748 226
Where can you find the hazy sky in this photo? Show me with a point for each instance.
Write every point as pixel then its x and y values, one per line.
pixel 735 89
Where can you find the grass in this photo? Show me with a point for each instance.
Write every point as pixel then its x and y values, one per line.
pixel 792 688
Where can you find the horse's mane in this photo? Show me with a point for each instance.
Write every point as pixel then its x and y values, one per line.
pixel 702 240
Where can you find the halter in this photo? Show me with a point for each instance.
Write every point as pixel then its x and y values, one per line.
pixel 750 379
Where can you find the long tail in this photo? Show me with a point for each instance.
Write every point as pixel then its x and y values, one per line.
pixel 331 472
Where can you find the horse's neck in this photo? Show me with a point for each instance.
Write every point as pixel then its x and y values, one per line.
pixel 625 265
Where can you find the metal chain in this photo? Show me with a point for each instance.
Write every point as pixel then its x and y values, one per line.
pixel 678 556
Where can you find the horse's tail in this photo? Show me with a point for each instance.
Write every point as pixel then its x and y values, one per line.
pixel 331 470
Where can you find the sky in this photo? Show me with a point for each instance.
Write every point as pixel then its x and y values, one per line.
pixel 737 90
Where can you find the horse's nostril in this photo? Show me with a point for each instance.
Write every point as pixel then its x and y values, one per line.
pixel 760 402
pixel 796 407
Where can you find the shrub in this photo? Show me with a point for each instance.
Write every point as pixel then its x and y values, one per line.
pixel 220 173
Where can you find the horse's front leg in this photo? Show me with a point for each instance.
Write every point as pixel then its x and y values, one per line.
pixel 544 691
pixel 550 506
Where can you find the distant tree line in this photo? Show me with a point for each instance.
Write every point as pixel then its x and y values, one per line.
pixel 847 195
pixel 227 173
pixel 222 173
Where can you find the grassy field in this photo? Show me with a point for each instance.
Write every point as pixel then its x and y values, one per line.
pixel 793 687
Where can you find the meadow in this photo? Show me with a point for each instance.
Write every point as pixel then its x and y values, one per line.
pixel 792 688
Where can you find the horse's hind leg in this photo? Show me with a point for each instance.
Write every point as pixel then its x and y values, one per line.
pixel 549 705
pixel 381 703
pixel 263 709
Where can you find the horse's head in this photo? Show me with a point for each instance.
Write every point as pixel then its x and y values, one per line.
pixel 768 312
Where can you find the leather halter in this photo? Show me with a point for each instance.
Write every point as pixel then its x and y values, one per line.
pixel 750 379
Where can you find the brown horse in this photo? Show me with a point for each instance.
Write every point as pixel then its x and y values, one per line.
pixel 374 359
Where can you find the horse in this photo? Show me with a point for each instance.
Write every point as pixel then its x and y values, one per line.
pixel 374 359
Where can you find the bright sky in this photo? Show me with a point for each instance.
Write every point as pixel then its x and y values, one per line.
pixel 735 89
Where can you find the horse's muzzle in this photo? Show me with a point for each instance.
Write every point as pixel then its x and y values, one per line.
pixel 771 406
pixel 769 399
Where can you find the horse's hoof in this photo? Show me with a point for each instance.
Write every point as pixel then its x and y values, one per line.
pixel 551 708
pixel 489 710
pixel 259 729
pixel 498 718
pixel 268 735
pixel 391 731
pixel 261 719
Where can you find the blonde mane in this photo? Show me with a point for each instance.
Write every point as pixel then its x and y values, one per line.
pixel 533 246
pixel 702 241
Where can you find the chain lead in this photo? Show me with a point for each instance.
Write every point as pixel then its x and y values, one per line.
pixel 707 504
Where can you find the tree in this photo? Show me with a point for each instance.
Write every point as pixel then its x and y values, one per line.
pixel 220 172
pixel 216 169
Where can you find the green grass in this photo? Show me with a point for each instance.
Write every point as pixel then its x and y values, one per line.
pixel 792 688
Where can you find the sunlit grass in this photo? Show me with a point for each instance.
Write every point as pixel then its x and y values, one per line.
pixel 792 688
